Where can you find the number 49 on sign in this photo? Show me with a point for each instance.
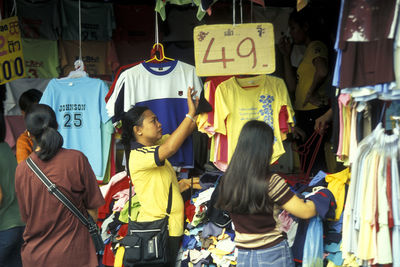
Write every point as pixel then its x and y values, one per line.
pixel 226 49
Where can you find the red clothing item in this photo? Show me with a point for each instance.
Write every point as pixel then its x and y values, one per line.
pixel 119 72
pixel 214 82
pixel 189 210
pixel 105 210
pixel 389 192
pixel 283 119
pixel 53 235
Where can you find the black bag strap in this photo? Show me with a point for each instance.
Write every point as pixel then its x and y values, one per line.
pixel 52 188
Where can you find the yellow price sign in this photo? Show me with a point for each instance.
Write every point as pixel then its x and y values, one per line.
pixel 226 49
pixel 12 65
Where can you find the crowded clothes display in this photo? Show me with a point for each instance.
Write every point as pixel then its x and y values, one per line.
pixel 136 122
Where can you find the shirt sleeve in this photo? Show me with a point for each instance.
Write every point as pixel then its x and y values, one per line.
pixel 279 191
pixel 144 158
pixel 221 111
pixel 286 100
pixel 92 197
pixel 318 49
pixel 47 97
pixel 103 110
pixel 19 192
pixel 23 148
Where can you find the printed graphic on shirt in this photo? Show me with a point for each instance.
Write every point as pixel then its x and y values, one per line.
pixel 41 58
pixel 79 113
pixel 267 112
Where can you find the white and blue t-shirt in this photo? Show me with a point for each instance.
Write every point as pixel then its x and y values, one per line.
pixel 162 87
pixel 80 109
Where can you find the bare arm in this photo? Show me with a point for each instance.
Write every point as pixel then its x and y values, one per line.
pixel 186 127
pixel 299 208
pixel 93 213
pixel 322 122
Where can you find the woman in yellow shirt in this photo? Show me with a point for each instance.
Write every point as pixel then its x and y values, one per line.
pixel 307 83
pixel 150 170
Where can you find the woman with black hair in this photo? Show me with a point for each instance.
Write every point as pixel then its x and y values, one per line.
pixel 253 196
pixel 53 235
pixel 147 153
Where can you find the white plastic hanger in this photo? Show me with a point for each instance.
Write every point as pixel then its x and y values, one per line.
pixel 79 70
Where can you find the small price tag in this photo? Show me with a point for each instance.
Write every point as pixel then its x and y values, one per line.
pixel 12 65
pixel 226 49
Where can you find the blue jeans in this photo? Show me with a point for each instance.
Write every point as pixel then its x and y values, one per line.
pixel 279 255
pixel 10 247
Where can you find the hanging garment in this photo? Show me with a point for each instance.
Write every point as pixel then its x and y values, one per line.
pixel 97 21
pixel 336 184
pixel 162 87
pixel 99 57
pixel 16 88
pixel 370 206
pixel 41 58
pixel 80 109
pixel 39 19
pixel 235 105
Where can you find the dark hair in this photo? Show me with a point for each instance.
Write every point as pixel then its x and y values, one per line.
pixel 312 19
pixel 42 124
pixel 132 117
pixel 244 187
pixel 32 96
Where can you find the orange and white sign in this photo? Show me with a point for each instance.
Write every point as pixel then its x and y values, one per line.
pixel 226 49
pixel 12 64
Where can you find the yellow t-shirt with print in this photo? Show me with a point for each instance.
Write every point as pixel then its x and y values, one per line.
pixel 305 73
pixel 151 179
pixel 239 100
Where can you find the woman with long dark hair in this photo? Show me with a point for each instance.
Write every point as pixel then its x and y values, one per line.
pixel 151 173
pixel 253 197
pixel 53 235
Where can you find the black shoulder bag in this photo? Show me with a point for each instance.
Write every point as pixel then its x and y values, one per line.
pixel 88 222
pixel 146 243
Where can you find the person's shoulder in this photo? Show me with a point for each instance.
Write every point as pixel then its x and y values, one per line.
pixel 163 139
pixel 318 47
pixel 21 168
pixel 72 153
pixel 23 138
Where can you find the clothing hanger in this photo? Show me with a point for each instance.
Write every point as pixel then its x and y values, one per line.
pixel 79 71
pixel 157 48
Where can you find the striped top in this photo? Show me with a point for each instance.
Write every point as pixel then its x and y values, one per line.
pixel 256 231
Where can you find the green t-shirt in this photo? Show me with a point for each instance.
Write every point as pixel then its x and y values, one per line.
pixel 9 210
pixel 41 58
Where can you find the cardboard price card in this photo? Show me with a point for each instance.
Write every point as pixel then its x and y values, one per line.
pixel 12 65
pixel 226 49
